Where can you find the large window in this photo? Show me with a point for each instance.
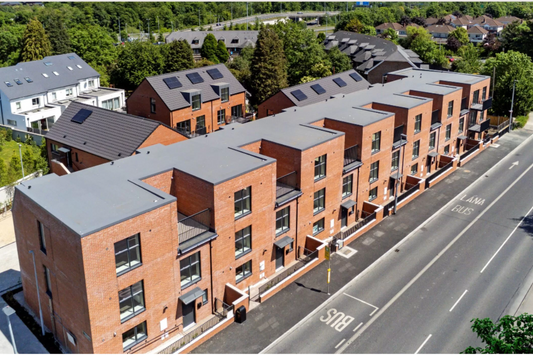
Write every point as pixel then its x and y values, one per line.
pixel 243 241
pixel 200 124
pixel 112 104
pixel 42 240
pixel 395 160
pixel 319 201
pixel 484 95
pixel 481 116
pixel 448 131
pixel 318 226
pixel 373 194
pixel 224 94
pixel 190 270
pixel 134 335
pixel 347 186
pixel 283 220
pixel 36 101
pixel 376 142
pixel 196 102
pixel 374 171
pixel 184 126
pixel 320 167
pixel 476 97
pixel 243 202
pixel 414 169
pixel 461 124
pixel 416 149
pixel 450 109
pixel 127 254
pixel 432 137
pixel 221 116
pixel 243 271
pixel 68 92
pixel 48 281
pixel 418 123
pixel 447 149
pixel 152 105
pixel 131 301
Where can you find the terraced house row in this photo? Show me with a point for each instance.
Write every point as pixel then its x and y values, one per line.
pixel 156 251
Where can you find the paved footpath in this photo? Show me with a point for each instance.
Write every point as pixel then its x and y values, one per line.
pixel 277 315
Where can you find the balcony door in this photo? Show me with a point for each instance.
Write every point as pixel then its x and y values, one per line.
pixel 236 111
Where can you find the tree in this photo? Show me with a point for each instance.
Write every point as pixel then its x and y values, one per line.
pixel 10 44
pixel 136 61
pixel 368 30
pixel 509 335
pixel 268 68
pixel 391 35
pixel 240 66
pixel 461 35
pixel 209 48
pixel 3 174
pixel 518 37
pixel 453 44
pixel 178 56
pixel 222 52
pixel 203 63
pixel 420 21
pixel 339 61
pixel 354 25
pixel 495 10
pixel 321 37
pixel 35 43
pixel 511 66
pixel 28 161
pixel 420 41
pixel 405 21
pixel 14 172
pixel 59 37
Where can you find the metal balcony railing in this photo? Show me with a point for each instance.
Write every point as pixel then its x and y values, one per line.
pixel 286 183
pixel 194 225
pixel 483 105
pixel 351 155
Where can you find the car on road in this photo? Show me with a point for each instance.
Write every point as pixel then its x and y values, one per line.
pixel 299 13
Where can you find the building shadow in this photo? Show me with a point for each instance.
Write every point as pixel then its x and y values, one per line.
pixel 527 224
pixel 9 279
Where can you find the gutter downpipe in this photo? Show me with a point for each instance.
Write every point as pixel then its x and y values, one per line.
pixel 38 294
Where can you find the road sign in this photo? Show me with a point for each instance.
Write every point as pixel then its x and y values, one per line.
pixel 329 275
pixel 327 253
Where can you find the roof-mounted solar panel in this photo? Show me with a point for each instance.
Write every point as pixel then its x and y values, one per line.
pixel 47 63
pixel 172 82
pixel 299 95
pixel 318 89
pixel 215 73
pixel 81 116
pixel 71 57
pixel 9 85
pixel 17 81
pixel 195 78
pixel 341 83
pixel 356 77
pixel 28 79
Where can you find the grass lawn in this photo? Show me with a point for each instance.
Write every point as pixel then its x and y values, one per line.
pixel 11 148
pixel 520 121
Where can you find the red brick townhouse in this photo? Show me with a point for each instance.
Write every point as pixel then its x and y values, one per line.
pixel 145 253
pixel 313 92
pixel 194 102
pixel 85 136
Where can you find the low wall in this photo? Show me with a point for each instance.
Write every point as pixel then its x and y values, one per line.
pixel 23 135
pixel 7 192
pixel 450 170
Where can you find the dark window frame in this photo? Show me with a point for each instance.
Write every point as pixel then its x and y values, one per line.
pixel 42 238
pixel 127 250
pixel 373 194
pixel 347 186
pixel 448 134
pixel 205 297
pixel 320 197
pixel 242 236
pixel 414 166
pixel 240 201
pixel 450 109
pixel 188 267
pixel 461 124
pixel 221 116
pixel 416 149
pixel 320 228
pixel 152 105
pixel 246 273
pixel 395 160
pixel 135 332
pixel 48 281
pixel 432 140
pixel 224 94
pixel 418 123
pixel 131 297
pixel 320 167
pixel 374 172
pixel 376 142
pixel 196 102
pixel 284 217
pixel 447 149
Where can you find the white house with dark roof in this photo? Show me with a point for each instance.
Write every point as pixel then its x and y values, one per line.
pixel 477 34
pixel 235 41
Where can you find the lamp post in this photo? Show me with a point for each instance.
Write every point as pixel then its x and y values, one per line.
pixel 38 293
pixel 510 111
pixel 8 311
pixel 21 164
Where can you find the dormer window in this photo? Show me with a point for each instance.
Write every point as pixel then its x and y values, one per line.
pixel 195 41
pixel 55 73
pixel 235 41
pixel 69 68
pixel 196 102
pixel 224 94
pixel 28 80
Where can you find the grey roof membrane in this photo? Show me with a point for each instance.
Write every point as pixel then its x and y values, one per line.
pixel 243 38
pixel 105 133
pixel 175 99
pixel 107 194
pixel 35 69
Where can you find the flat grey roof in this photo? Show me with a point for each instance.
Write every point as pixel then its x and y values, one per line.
pixel 438 89
pixel 404 101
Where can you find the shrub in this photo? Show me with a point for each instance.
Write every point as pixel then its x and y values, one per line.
pixel 520 121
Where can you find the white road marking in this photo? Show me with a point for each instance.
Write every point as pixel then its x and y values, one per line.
pixel 368 304
pixel 501 246
pixel 359 326
pixel 513 165
pixel 455 304
pixel 339 344
pixel 424 343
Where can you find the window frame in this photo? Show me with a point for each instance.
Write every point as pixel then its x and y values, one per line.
pixel 131 298
pixel 206 295
pixel 319 228
pixel 432 140
pixel 319 196
pixel 221 116
pixel 42 240
pixel 47 281
pixel 395 158
pixel 374 170
pixel 373 194
pixel 450 108
pixel 127 250
pixel 418 123
pixel 244 272
pixel 69 92
pixel 321 165
pixel 241 201
pixel 224 94
pixel 461 125
pixel 283 215
pixel 137 339
pixel 242 236
pixel 188 267
pixel 36 101
pixel 448 133
pixel 416 148
pixel 447 149
pixel 414 166
pixel 347 186
pixel 196 102
pixel 376 142
pixel 152 105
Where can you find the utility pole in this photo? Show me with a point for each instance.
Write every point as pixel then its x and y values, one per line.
pixel 510 111
pixel 493 79
pixel 247 16
pixel 38 293
pixel 199 18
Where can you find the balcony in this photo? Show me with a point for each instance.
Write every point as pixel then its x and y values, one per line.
pixel 194 229
pixel 287 188
pixel 399 138
pixel 483 105
pixel 351 159
pixel 435 120
pixel 464 107
pixel 247 118
pixel 187 132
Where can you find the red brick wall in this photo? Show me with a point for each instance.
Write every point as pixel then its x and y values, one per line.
pixel 163 135
pixel 273 105
pixel 85 160
pixel 139 104
pixel 376 75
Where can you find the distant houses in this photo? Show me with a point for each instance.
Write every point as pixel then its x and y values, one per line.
pixel 235 41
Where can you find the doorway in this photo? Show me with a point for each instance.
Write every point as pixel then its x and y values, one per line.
pixel 280 258
pixel 188 314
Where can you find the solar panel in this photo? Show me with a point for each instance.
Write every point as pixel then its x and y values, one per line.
pixel 47 63
pixel 195 78
pixel 318 89
pixel 172 82
pixel 28 79
pixel 340 82
pixel 215 74
pixel 299 95
pixel 81 116
pixel 17 81
pixel 8 84
pixel 356 77
pixel 71 57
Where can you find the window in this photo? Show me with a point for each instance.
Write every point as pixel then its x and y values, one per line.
pixel 283 220
pixel 481 116
pixel 320 167
pixel 204 297
pixel 152 105
pixel 224 94
pixel 91 83
pixel 12 122
pixel 42 239
pixel 461 124
pixel 374 171
pixel 447 149
pixel 48 281
pixel 318 226
pixel 18 105
pixel 476 97
pixel 127 254
pixel 112 104
pixel 221 116
pixel 68 92
pixel 55 73
pixel 184 126
pixel 243 271
pixel 190 270
pixel 319 201
pixel 291 246
pixel 134 336
pixel 195 41
pixel 416 149
pixel 131 301
pixel 36 101
pixel 414 169
pixel 70 68
pixel 418 123
pixel 243 242
pixel 54 96
pixel 243 199
pixel 45 75
pixel 376 145
pixel 79 66
pixel 347 185
pixel 196 102
pixel 448 131
pixel 373 194
pixel 395 160
pixel 450 109
pixel 484 95
pixel 432 137
pixel 200 124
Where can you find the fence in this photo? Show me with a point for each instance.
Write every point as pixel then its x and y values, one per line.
pixel 222 309
pixel 408 193
pixel 196 224
pixel 438 173
pixel 358 225
pixel 469 152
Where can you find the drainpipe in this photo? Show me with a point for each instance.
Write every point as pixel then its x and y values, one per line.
pixel 2 110
pixel 211 271
pixel 38 294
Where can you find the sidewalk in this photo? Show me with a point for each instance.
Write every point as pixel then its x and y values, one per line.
pixel 7 229
pixel 277 315
pixel 9 267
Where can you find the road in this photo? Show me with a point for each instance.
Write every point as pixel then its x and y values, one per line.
pixel 467 261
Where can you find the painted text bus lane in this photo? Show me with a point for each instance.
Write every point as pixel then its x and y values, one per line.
pixel 468 204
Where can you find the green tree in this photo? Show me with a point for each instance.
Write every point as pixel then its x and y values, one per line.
pixel 321 37
pixel 511 66
pixel 339 61
pixel 35 43
pixel 14 172
pixel 57 32
pixel 136 61
pixel 518 37
pixel 509 335
pixel 10 44
pixel 461 35
pixel 4 180
pixel 420 41
pixel 368 30
pixel 178 56
pixel 495 10
pixel 268 67
pixel 354 25
pixel 469 61
pixel 391 35
pixel 209 48
pixel 28 161
pixel 222 52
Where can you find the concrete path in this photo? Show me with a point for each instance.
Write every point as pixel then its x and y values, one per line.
pixel 9 267
pixel 7 229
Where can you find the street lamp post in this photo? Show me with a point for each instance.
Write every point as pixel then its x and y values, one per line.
pixel 21 164
pixel 38 293
pixel 511 110
pixel 8 311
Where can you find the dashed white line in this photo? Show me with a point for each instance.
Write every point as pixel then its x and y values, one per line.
pixel 424 343
pixel 339 344
pixel 455 304
pixel 368 304
pixel 359 326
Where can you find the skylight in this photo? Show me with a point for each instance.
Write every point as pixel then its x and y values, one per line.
pixel 8 84
pixel 45 75
pixel 47 63
pixel 69 68
pixel 71 57
pixel 17 81
pixel 79 66
pixel 318 89
pixel 55 73
pixel 28 79
pixel 299 95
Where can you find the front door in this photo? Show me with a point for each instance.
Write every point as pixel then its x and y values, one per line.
pixel 428 165
pixel 344 217
pixel 188 314
pixel 236 111
pixel 279 257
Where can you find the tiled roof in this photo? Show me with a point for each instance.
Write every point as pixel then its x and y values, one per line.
pixel 243 38
pixel 440 29
pixel 488 21
pixel 477 29
pixel 508 19
pixel 393 25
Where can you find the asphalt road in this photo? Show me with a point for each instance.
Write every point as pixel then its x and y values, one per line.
pixel 467 261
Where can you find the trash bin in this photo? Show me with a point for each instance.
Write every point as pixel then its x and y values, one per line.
pixel 240 314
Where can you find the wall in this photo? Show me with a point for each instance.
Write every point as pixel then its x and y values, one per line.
pixel 163 135
pixel 376 75
pixel 139 104
pixel 84 159
pixel 275 103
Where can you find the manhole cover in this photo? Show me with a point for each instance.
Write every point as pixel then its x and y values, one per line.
pixel 347 252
